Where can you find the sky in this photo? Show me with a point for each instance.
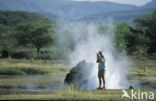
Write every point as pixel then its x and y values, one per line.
pixel 133 2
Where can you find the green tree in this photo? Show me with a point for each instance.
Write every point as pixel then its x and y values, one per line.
pixel 35 34
pixel 7 40
pixel 123 36
pixel 10 21
pixel 146 25
pixel 145 28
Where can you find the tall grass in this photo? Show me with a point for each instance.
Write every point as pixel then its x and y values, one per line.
pixel 31 67
pixel 149 62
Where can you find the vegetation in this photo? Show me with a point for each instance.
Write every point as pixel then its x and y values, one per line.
pixel 45 72
pixel 32 67
pixel 54 69
pixel 34 35
pixel 146 26
pixel 138 66
pixel 139 38
pixel 24 29
pixel 32 74
pixel 23 34
pixel 69 94
pixel 122 36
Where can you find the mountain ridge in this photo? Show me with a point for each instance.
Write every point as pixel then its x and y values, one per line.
pixel 66 9
pixel 72 10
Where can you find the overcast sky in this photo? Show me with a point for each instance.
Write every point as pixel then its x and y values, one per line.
pixel 133 2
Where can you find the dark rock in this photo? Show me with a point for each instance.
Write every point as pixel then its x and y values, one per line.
pixel 131 87
pixel 79 74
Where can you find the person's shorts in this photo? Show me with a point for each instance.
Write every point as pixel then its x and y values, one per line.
pixel 101 73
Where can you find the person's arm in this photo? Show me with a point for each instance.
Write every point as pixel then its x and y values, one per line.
pixel 101 59
pixel 97 58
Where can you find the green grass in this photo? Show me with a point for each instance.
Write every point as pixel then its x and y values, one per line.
pixel 31 67
pixel 54 69
pixel 17 73
pixel 109 95
pixel 149 62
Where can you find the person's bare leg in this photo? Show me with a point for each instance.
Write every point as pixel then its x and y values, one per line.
pixel 103 79
pixel 99 82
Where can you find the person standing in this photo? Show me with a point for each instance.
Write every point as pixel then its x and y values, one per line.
pixel 101 69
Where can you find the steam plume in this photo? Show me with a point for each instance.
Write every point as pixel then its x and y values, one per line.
pixel 88 40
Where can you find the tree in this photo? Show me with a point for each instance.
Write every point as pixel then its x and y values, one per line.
pixel 141 52
pixel 7 40
pixel 146 25
pixel 10 32
pixel 123 36
pixel 145 28
pixel 34 34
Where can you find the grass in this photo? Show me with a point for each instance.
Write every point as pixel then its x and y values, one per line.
pixel 37 67
pixel 53 69
pixel 147 78
pixel 109 95
pixel 15 73
pixel 31 67
pixel 149 62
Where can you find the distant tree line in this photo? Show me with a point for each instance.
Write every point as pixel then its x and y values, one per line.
pixel 139 37
pixel 25 34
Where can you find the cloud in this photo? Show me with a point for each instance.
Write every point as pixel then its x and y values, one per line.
pixel 133 2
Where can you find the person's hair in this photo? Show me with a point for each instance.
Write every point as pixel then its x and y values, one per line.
pixel 100 52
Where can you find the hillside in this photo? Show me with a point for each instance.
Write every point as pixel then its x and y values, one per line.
pixel 127 16
pixel 150 5
pixel 66 9
pixel 72 10
pixel 15 17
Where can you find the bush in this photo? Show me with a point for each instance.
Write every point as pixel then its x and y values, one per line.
pixel 45 54
pixel 23 54
pixel 4 54
pixel 33 71
pixel 22 71
pixel 8 71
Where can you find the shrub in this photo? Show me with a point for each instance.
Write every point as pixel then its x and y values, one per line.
pixel 33 71
pixel 8 71
pixel 22 71
pixel 23 54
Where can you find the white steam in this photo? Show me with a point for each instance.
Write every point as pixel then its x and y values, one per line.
pixel 88 40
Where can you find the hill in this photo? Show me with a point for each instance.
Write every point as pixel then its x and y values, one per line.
pixel 150 5
pixel 79 10
pixel 66 9
pixel 120 16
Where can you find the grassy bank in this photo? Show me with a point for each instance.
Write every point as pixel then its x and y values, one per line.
pixel 106 95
